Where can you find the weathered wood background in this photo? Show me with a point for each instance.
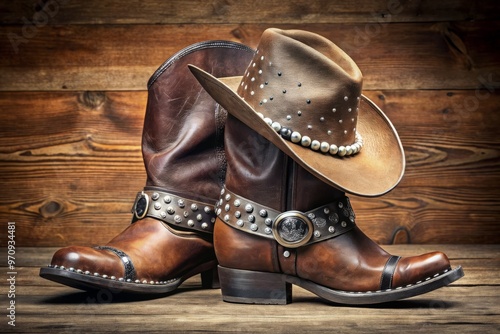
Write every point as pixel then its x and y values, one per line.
pixel 73 92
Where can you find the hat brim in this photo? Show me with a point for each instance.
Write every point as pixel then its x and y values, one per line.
pixel 374 171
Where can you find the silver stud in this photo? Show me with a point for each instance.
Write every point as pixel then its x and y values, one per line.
pixel 263 213
pixel 345 132
pixel 207 209
pixel 309 127
pixel 212 220
pixel 190 223
pixel 185 214
pixel 261 85
pixel 137 281
pixel 288 117
pixel 239 222
pixel 104 276
pixel 252 92
pixel 87 272
pixel 251 218
pixel 268 230
pixel 157 206
pixel 340 121
pixel 71 269
pixel 204 226
pixel 227 207
pixel 329 132
pixel 346 98
pixel 167 199
pixel 249 208
pixel 286 253
pixel 121 279
pixel 331 229
pixel 334 218
pixel 260 72
pixel 333 149
pixel 96 274
pixel 194 207
pixel 341 205
pixel 268 121
pixel 222 191
pixel 226 218
pixel 199 217
pixel 177 219
pixel 219 210
pixel 299 113
pixel 321 119
pixel 155 196
pixel 268 221
pixel 326 211
pixel 237 203
pixel 317 234
pixel 351 218
pixel 343 224
pixel 163 214
pixel 228 197
pixel 254 227
pixel 144 281
pixel 170 210
pixel 334 110
pixel 79 271
pixel 311 215
pixel 237 214
pixel 305 141
pixel 181 203
pixel 349 109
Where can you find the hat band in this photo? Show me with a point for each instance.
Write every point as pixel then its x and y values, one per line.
pixel 315 145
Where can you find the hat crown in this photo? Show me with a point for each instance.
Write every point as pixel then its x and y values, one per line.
pixel 305 83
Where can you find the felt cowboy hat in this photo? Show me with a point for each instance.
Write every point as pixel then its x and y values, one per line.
pixel 303 93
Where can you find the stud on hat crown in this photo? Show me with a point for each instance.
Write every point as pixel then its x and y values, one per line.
pixel 306 90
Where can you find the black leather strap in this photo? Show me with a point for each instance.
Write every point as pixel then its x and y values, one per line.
pixel 388 272
pixel 127 263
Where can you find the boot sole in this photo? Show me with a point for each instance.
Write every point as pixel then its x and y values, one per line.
pixel 253 287
pixel 91 282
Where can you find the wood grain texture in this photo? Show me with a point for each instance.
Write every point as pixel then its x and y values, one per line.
pixel 229 11
pixel 469 305
pixel 461 55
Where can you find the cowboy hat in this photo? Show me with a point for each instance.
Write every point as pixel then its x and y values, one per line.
pixel 303 93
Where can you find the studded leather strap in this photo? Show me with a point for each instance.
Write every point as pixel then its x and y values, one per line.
pixel 322 223
pixel 173 210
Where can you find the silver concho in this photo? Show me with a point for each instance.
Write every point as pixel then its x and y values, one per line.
pixel 292 229
pixel 141 205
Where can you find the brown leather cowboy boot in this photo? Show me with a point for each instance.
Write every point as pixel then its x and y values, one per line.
pixel 170 238
pixel 284 221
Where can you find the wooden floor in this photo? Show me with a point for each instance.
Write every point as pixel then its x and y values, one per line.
pixel 470 305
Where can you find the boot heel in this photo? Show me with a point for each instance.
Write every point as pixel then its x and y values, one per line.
pixel 254 287
pixel 210 279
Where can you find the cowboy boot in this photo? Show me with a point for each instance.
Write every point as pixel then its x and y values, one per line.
pixel 284 221
pixel 170 237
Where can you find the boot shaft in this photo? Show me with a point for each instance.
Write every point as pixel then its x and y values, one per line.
pixel 182 142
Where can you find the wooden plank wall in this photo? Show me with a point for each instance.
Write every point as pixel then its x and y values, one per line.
pixel 73 92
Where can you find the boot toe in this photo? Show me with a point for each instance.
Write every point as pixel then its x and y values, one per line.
pixel 414 269
pixel 88 259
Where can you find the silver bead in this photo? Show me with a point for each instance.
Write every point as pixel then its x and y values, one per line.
pixel 199 218
pixel 348 149
pixel 194 207
pixel 155 196
pixel 228 197
pixel 181 203
pixel 170 210
pixel 207 209
pixel 315 145
pixel 317 234
pixel 346 98
pixel 190 223
pixel 263 213
pixel 157 206
pixel 204 226
pixel 268 221
pixel 167 199
pixel 296 137
pixel 305 141
pixel 237 214
pixel 333 149
pixel 268 230
pixel 342 151
pixel 177 219
pixel 237 203
pixel 286 253
pixel 239 223
pixel 276 126
pixel 226 218
pixel 268 121
pixel 219 210
pixel 254 227
pixel 324 147
pixel 331 229
pixel 326 211
pixel 227 207
pixel 251 218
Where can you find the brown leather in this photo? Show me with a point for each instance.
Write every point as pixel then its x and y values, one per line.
pixel 259 171
pixel 183 155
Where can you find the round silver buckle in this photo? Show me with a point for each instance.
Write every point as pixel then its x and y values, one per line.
pixel 292 229
pixel 141 205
